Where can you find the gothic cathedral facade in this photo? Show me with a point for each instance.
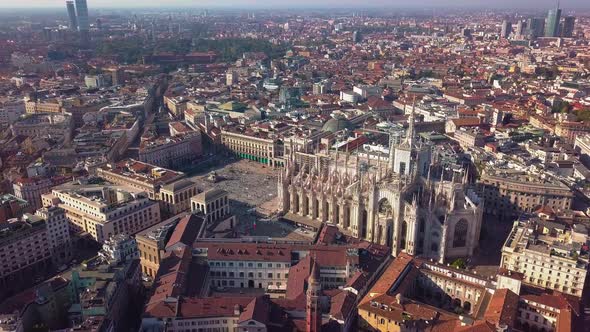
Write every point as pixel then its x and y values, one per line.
pixel 393 202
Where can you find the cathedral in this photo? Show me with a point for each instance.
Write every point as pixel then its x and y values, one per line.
pixel 395 201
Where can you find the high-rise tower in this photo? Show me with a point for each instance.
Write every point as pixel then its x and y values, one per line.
pixel 72 15
pixel 568 27
pixel 535 27
pixel 506 29
pixel 552 24
pixel 83 23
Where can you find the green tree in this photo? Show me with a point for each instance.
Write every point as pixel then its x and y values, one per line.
pixel 459 263
pixel 583 115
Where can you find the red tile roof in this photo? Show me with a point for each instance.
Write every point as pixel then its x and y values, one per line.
pixel 503 307
pixel 342 305
pixel 258 309
pixel 186 231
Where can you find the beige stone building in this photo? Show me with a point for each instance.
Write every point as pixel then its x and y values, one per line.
pixel 58 233
pixel 570 130
pixel 257 147
pixel 47 106
pixel 164 185
pixel 176 196
pixel 510 193
pixel 176 105
pixel 542 251
pixel 171 152
pixel 582 146
pixel 469 138
pixel 104 211
pixel 154 241
pixel 55 125
pixel 214 204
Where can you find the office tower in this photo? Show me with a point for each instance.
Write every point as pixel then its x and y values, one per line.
pixel 47 34
pixel 72 15
pixel 153 31
pixel 356 37
pixel 506 29
pixel 535 27
pixel 520 28
pixel 83 23
pixel 552 24
pixel 568 27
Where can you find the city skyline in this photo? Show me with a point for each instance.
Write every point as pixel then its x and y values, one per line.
pixel 268 166
pixel 496 4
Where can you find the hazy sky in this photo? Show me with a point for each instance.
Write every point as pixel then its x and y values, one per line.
pixel 536 4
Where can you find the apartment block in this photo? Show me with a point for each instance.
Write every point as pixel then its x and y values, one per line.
pixel 547 256
pixel 104 211
pixel 25 251
pixel 171 152
pixel 58 233
pixel 160 184
pixel 154 242
pixel 511 193
pixel 31 189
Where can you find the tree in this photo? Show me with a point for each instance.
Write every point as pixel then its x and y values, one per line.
pixel 459 263
pixel 583 115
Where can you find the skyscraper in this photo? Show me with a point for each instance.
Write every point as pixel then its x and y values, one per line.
pixel 535 27
pixel 506 29
pixel 72 14
pixel 552 24
pixel 520 28
pixel 83 23
pixel 568 27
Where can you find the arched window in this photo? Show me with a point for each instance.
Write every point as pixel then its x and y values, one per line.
pixel 296 203
pixel 460 234
pixel 364 219
pixel 403 234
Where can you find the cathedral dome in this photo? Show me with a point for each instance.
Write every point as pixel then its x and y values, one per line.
pixel 336 124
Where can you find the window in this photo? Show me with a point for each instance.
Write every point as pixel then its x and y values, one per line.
pixel 460 234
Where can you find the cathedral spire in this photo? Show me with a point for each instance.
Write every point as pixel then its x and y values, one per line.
pixel 358 167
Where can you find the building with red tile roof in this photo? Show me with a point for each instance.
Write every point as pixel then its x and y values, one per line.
pixel 413 293
pixel 282 270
